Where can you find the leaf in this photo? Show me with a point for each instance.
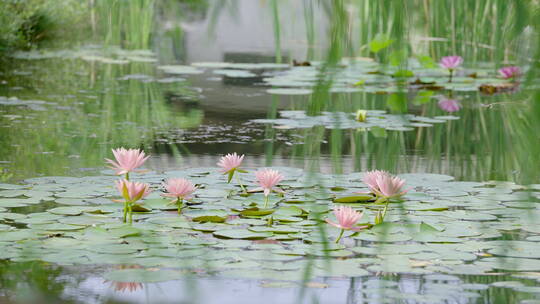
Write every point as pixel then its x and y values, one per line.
pixel 426 61
pixel 256 212
pixel 423 97
pixel 403 73
pixel 209 218
pixel 139 208
pixel 353 198
pixel 230 176
pixel 380 42
pixel 242 234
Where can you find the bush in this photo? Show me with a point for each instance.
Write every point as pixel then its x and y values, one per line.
pixel 27 23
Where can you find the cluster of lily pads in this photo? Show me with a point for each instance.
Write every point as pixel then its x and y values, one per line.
pixel 383 185
pixel 363 119
pixel 438 226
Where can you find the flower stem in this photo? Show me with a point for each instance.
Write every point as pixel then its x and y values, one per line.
pixel 266 201
pixel 451 72
pixel 127 176
pixel 125 211
pixel 383 215
pixel 340 235
pixel 130 212
pixel 179 204
pixel 240 183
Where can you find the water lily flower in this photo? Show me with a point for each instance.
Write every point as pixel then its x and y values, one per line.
pixel 127 160
pixel 370 179
pixel 231 163
pixel 510 72
pixel 361 115
pixel 132 192
pixel 450 105
pixel 268 179
pixel 390 186
pixel 347 218
pixel 180 189
pixel 451 63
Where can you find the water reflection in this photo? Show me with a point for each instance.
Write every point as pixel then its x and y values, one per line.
pixel 89 107
pixel 125 286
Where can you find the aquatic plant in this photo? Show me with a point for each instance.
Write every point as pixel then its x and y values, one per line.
pixel 361 115
pixel 268 179
pixel 127 160
pixel 370 179
pixel 385 187
pixel 389 186
pixel 510 72
pixel 231 163
pixel 449 105
pixel 131 192
pixel 180 189
pixel 347 218
pixel 451 63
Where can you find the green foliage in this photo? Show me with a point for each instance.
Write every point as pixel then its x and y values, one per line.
pixel 25 24
pixel 380 42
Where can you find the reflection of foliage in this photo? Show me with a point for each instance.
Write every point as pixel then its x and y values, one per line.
pixel 30 282
pixel 108 113
pixel 5 175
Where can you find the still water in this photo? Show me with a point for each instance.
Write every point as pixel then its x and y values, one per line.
pixel 63 109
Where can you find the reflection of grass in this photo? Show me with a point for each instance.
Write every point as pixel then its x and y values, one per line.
pixel 30 282
pixel 129 113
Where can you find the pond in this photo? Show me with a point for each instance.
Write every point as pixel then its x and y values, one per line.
pixel 318 97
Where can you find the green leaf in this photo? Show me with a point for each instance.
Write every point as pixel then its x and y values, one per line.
pixel 354 198
pixel 209 218
pixel 256 212
pixel 380 42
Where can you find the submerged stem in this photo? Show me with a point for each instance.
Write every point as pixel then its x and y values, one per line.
pixel 340 235
pixel 266 201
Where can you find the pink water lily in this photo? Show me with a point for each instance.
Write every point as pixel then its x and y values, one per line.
pixel 179 188
pixel 370 179
pixel 390 186
pixel 268 179
pixel 132 191
pixel 347 218
pixel 451 62
pixel 230 162
pixel 450 105
pixel 510 72
pixel 127 160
